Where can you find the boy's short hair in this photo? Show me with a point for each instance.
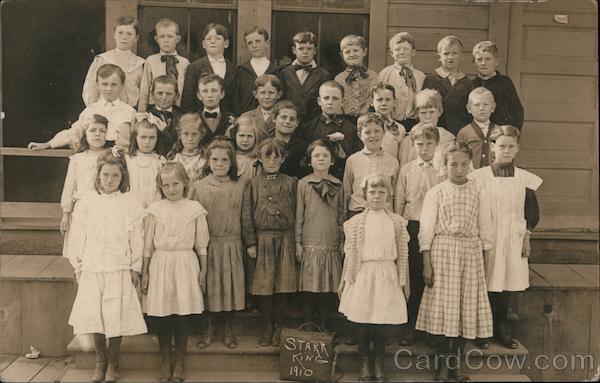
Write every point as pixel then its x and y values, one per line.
pixel 505 130
pixel 449 40
pixel 454 147
pixel 164 79
pixel 285 104
pixel 486 46
pixel 424 131
pixel 332 84
pixel 220 30
pixel 382 86
pixel 402 37
pixel 305 37
pixel 480 91
pixel 208 78
pixel 256 29
pixel 128 20
pixel 165 23
pixel 368 118
pixel 375 180
pixel 353 40
pixel 265 79
pixel 177 168
pixel 429 98
pixel 108 70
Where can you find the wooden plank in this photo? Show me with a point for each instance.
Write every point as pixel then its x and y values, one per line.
pixel 251 12
pixel 25 267
pixel 6 360
pixel 562 5
pixel 561 138
pixel 23 369
pixel 54 371
pixel 560 276
pixel 4 259
pixel 553 65
pixel 10 316
pixel 458 16
pixel 58 270
pixel 536 281
pixel 590 273
pixel 30 209
pixel 545 43
pixel 377 34
pixel 113 10
pixel 515 45
pixel 50 335
pixel 498 31
pixel 24 152
pixel 426 38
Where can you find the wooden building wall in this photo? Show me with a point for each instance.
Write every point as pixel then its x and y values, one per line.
pixel 552 63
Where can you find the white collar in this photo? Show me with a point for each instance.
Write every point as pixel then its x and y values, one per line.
pixel 443 73
pixel 368 152
pixel 164 110
pixel 168 54
pixel 260 60
pixel 217 109
pixel 312 63
pixel 484 125
pixel 400 67
pixel 220 60
pixel 104 102
pixel 423 163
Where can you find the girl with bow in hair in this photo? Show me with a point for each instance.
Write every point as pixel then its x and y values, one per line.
pixel 319 220
pixel 142 160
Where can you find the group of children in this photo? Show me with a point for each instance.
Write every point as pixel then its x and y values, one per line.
pixel 407 204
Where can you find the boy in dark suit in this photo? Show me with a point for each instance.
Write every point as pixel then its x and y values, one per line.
pixel 164 93
pixel 302 78
pixel 215 118
pixel 214 39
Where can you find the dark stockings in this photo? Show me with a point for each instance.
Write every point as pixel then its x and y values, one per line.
pixel 320 301
pixel 367 333
pixel 272 307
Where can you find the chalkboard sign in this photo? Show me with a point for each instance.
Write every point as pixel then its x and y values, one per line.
pixel 306 355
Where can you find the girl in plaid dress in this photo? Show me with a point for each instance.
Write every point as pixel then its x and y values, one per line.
pixel 455 228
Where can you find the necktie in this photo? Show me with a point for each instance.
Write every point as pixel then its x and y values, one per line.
pixel 356 73
pixel 171 62
pixel 165 115
pixel 409 78
pixel 332 120
pixel 211 114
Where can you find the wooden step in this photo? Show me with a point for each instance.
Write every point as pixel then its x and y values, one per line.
pixel 193 376
pixel 141 352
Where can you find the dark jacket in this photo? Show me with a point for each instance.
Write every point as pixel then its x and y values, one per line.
pixel 304 96
pixel 168 136
pixel 245 85
pixel 224 123
pixel 195 71
pixel 509 110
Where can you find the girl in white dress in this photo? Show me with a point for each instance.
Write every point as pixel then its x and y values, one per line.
pixel 174 270
pixel 108 242
pixel 455 228
pixel 189 148
pixel 374 274
pixel 81 175
pixel 143 163
pixel 515 213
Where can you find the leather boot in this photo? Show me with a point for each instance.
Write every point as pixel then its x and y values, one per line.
pixel 379 369
pixel 207 335
pixel 112 369
pixel 181 339
pixel 276 336
pixel 364 374
pixel 441 369
pixel 228 336
pixel 100 368
pixel 267 334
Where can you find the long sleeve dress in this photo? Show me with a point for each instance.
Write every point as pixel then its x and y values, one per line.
pixel 230 228
pixel 319 220
pixel 109 241
pixel 455 227
pixel 174 229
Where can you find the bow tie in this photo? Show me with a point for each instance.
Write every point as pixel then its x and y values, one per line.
pixel 307 67
pixel 332 120
pixel 409 78
pixel 171 64
pixel 165 114
pixel 390 126
pixel 356 73
pixel 326 189
pixel 211 114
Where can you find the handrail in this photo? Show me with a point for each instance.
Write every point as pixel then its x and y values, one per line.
pixel 24 152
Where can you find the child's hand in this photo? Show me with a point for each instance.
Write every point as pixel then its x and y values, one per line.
pixel 251 252
pixel 145 281
pixel 135 278
pixel 526 252
pixel 202 281
pixel 64 222
pixel 335 137
pixel 299 252
pixel 341 288
pixel 38 145
pixel 427 270
pixel 77 276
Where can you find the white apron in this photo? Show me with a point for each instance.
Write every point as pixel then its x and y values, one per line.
pixel 506 269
